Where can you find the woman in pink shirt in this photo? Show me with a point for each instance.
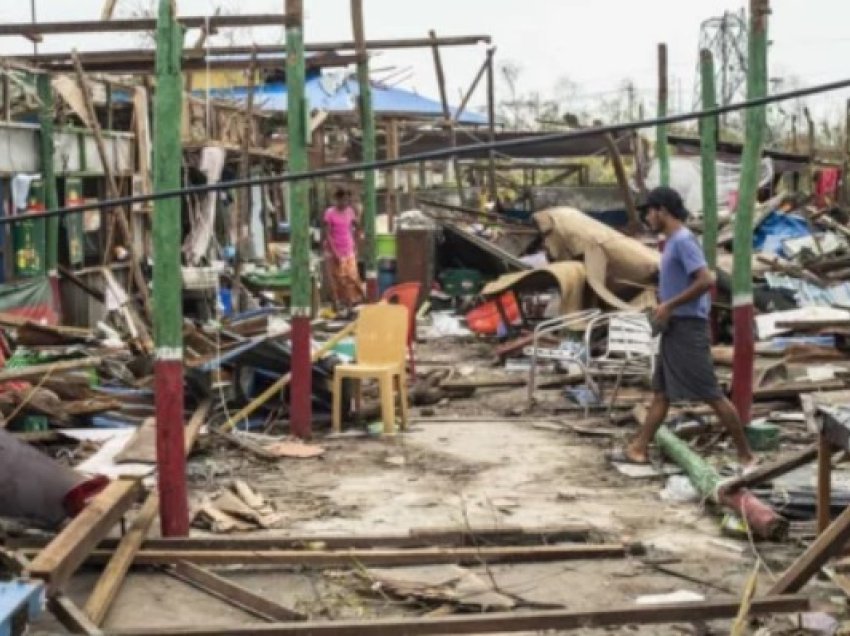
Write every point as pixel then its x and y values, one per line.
pixel 339 221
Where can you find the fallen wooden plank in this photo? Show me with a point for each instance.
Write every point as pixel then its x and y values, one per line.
pixel 37 371
pixel 376 557
pixel 828 544
pixel 793 389
pixel 56 563
pixel 774 469
pixel 416 538
pixel 109 583
pixel 72 617
pixel 496 622
pixel 813 325
pixel 233 593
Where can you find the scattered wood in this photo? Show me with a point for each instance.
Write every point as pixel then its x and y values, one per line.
pixel 379 556
pixel 38 371
pixel 790 390
pixel 480 623
pixel 775 469
pixel 72 617
pixel 56 563
pixel 233 594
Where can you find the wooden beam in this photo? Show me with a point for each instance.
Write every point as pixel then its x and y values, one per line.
pixel 72 617
pixel 109 584
pixel 61 558
pixel 766 472
pixel 623 182
pixel 27 29
pixel 828 544
pixel 447 113
pixel 38 371
pixel 108 9
pixel 477 80
pixel 234 594
pixel 120 216
pixel 483 623
pixel 378 557
pixel 416 538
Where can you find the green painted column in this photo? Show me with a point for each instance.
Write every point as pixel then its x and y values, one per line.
pixel 167 278
pixel 742 280
pixel 367 124
pixel 297 112
pixel 662 151
pixel 708 147
pixel 48 172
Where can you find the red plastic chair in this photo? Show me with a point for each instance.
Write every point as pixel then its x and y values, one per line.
pixel 407 294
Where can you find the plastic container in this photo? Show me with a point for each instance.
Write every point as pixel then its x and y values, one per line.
pixel 386 275
pixel 762 436
pixel 485 320
pixel 385 246
pixel 461 282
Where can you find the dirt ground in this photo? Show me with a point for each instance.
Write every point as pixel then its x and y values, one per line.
pixel 466 465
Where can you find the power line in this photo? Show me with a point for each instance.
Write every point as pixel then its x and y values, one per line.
pixel 432 155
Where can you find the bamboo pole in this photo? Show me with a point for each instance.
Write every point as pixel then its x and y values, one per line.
pixel 742 283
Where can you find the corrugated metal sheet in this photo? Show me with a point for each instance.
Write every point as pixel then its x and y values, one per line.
pixel 810 294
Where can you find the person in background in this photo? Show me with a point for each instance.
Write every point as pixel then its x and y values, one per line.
pixel 685 369
pixel 340 222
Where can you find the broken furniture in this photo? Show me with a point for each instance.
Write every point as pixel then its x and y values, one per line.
pixel 381 343
pixel 569 324
pixel 629 349
pixel 406 295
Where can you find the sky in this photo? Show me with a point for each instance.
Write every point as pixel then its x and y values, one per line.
pixel 595 43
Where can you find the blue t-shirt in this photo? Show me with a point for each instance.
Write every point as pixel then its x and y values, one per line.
pixel 681 259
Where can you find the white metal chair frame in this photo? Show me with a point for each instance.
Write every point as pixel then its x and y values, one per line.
pixel 630 349
pixel 554 325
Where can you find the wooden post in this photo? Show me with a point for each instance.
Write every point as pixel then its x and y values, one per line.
pixel 301 407
pixel 367 125
pixel 48 177
pixel 623 182
pixel 477 80
pixel 811 143
pixel 167 278
pixel 243 216
pixel 661 150
pixel 447 113
pixel 491 126
pixel 742 283
pixel 392 176
pixel 824 499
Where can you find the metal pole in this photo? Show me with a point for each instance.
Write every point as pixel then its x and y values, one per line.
pixel 742 282
pixel 662 151
pixel 48 177
pixel 301 390
pixel 167 280
pixel 367 124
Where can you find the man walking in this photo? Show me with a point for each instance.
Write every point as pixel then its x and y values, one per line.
pixel 685 370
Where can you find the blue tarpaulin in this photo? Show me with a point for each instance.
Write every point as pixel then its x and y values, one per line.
pixel 777 227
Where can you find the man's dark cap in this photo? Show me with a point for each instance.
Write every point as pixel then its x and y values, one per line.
pixel 667 198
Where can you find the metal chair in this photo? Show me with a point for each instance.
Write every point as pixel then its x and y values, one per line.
pixel 571 322
pixel 630 349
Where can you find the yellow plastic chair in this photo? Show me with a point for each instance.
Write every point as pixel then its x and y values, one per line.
pixel 381 344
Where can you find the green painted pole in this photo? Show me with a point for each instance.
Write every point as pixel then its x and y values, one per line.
pixel 167 278
pixel 48 171
pixel 708 150
pixel 48 178
pixel 708 147
pixel 300 411
pixel 763 520
pixel 742 280
pixel 662 151
pixel 367 124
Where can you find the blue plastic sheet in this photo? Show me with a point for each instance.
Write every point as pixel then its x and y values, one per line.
pixel 777 227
